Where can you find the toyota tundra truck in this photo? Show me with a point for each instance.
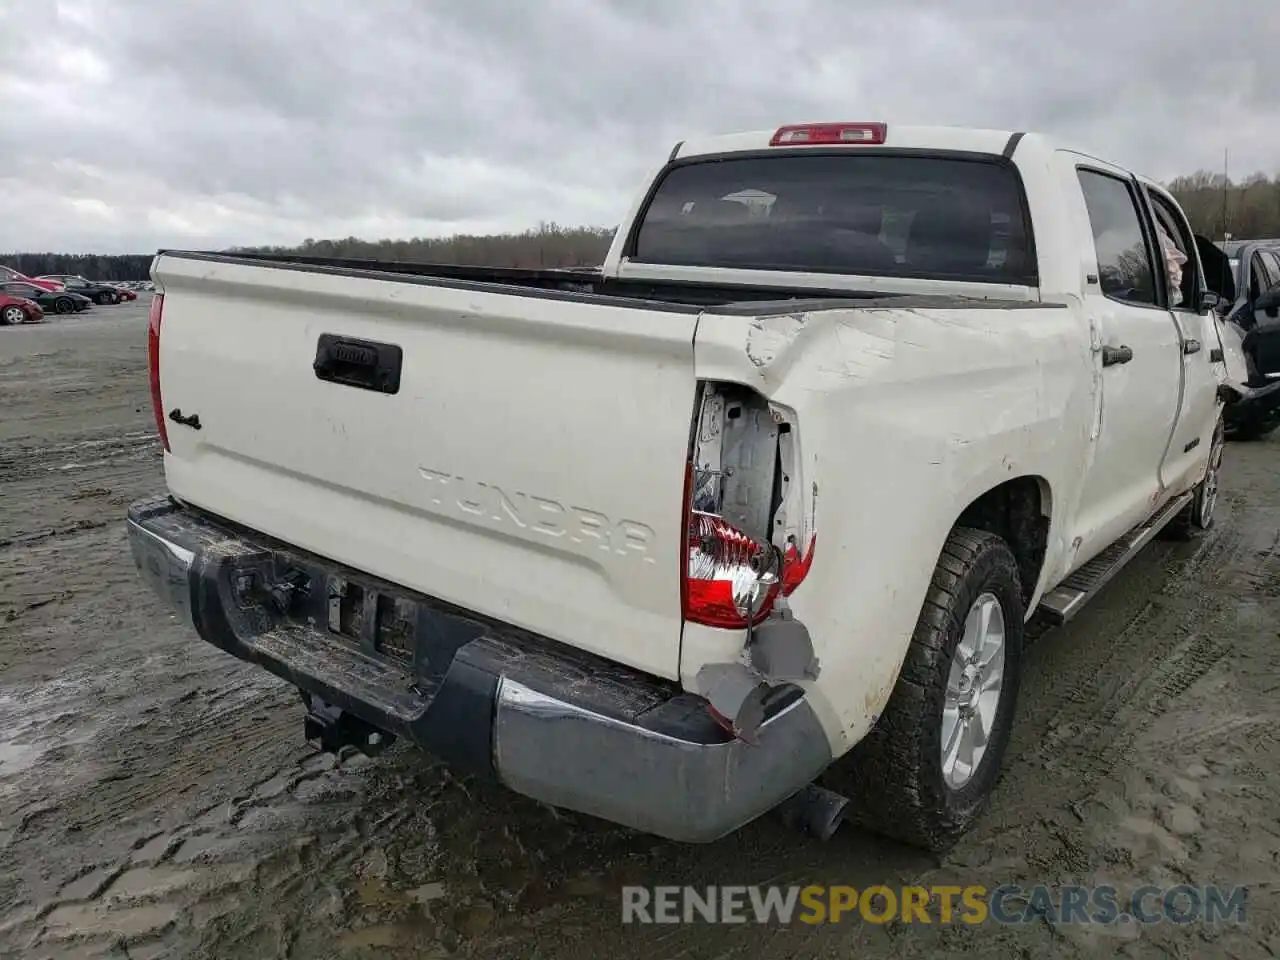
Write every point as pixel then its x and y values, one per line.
pixel 755 511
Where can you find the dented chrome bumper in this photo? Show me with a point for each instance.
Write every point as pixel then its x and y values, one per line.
pixel 563 727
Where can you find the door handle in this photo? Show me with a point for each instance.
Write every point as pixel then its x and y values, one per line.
pixel 1190 346
pixel 1114 355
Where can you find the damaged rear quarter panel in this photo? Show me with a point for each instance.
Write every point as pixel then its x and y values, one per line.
pixel 907 412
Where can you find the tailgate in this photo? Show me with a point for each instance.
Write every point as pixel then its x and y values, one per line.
pixel 530 466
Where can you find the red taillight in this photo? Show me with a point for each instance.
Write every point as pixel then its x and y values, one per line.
pixel 734 573
pixel 730 576
pixel 802 134
pixel 796 567
pixel 153 365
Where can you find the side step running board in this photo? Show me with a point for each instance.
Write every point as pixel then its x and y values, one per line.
pixel 1069 597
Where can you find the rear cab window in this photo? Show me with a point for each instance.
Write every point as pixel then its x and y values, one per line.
pixel 922 217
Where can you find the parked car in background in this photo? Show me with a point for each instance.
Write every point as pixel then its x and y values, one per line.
pixel 103 293
pixel 1246 277
pixel 15 310
pixel 8 275
pixel 60 301
pixel 125 292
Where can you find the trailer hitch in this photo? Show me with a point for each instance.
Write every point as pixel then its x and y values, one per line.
pixel 334 728
pixel 252 586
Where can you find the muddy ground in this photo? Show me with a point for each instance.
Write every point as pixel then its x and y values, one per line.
pixel 157 797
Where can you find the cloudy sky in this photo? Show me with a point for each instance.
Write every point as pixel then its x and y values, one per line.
pixel 126 125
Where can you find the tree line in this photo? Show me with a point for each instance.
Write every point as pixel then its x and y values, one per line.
pixel 1214 204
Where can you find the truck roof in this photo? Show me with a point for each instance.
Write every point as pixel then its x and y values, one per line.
pixel 903 137
pixel 972 139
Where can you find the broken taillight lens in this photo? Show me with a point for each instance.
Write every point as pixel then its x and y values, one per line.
pixel 749 530
pixel 732 578
pixel 795 567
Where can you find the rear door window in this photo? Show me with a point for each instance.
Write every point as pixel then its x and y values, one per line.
pixel 1271 267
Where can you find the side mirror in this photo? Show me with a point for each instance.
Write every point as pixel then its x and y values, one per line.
pixel 1209 301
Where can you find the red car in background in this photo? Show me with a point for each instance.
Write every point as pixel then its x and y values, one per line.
pixel 125 293
pixel 10 275
pixel 15 310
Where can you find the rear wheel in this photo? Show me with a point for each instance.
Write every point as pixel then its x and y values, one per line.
pixel 105 298
pixel 925 771
pixel 64 305
pixel 12 315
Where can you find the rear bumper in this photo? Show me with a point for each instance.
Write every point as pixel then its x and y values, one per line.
pixel 1251 407
pixel 548 721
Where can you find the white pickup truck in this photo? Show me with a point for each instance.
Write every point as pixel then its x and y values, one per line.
pixel 764 501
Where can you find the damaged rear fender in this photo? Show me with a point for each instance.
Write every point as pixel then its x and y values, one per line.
pixel 748 469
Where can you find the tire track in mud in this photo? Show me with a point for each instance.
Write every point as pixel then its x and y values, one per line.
pixel 63 530
pixel 1109 689
pixel 58 490
pixel 1103 711
pixel 139 775
pixel 60 585
pixel 1127 659
pixel 1242 559
pixel 229 881
pixel 87 453
pixel 132 778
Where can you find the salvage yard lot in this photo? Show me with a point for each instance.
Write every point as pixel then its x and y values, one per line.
pixel 157 796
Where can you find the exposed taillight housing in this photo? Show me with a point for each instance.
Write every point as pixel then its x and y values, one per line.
pixel 749 529
pixel 153 366
pixel 731 579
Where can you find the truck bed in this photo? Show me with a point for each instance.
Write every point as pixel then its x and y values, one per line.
pixel 513 442
pixel 588 286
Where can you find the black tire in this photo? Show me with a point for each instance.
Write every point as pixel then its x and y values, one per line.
pixel 894 777
pixel 13 315
pixel 1198 515
pixel 105 299
pixel 64 305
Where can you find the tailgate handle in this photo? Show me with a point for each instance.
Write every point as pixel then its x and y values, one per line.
pixel 366 364
pixel 1114 355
